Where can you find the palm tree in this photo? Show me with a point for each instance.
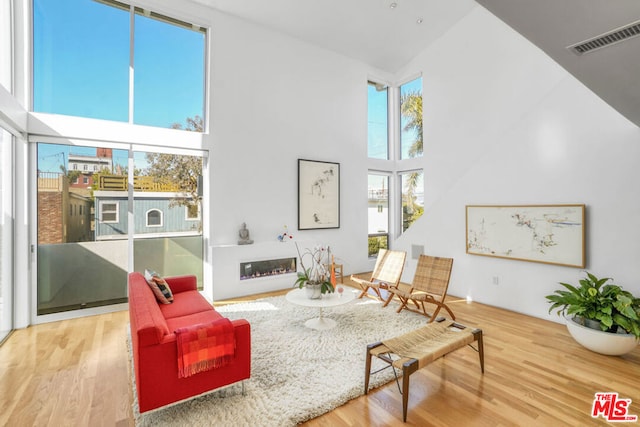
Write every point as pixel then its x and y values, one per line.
pixel 411 111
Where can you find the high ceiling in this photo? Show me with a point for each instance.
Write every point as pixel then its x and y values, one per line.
pixel 372 31
pixel 613 72
pixel 387 34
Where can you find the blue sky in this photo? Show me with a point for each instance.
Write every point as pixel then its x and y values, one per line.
pixel 81 68
pixel 81 64
pixel 377 121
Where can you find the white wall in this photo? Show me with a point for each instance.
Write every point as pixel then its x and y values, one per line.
pixel 275 100
pixel 504 124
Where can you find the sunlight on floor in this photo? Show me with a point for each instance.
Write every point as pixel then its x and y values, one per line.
pixel 247 307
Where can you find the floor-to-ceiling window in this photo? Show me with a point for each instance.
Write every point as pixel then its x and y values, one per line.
pixel 411 146
pixel 378 149
pixel 6 178
pixel 106 206
pixel 6 233
pixel 395 189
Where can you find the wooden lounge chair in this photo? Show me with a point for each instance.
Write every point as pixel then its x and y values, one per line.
pixel 416 349
pixel 386 274
pixel 429 286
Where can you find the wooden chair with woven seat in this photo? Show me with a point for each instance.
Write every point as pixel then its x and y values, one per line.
pixel 386 274
pixel 429 286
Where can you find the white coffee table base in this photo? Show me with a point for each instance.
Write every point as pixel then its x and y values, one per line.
pixel 320 323
pixel 298 297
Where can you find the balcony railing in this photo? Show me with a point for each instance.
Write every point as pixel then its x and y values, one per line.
pixel 51 181
pixel 140 183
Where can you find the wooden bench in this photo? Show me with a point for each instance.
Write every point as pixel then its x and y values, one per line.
pixel 416 349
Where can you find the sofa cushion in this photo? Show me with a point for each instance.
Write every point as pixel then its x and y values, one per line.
pixel 185 303
pixel 159 286
pixel 192 319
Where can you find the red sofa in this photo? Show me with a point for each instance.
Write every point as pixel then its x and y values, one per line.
pixel 155 352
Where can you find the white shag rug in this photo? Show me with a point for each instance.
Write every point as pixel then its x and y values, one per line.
pixel 297 373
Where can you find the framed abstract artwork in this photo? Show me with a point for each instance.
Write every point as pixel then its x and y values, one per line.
pixel 552 234
pixel 318 194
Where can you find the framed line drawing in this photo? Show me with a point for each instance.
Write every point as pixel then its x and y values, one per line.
pixel 551 234
pixel 318 194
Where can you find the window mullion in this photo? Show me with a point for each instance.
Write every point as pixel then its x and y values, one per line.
pixel 131 61
pixel 394 124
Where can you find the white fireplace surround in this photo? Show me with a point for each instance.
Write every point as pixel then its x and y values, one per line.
pixel 227 259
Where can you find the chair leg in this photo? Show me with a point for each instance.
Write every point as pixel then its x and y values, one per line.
pixel 388 300
pixel 423 308
pixel 403 304
pixel 365 291
pixel 477 334
pixel 367 366
pixel 434 315
pixel 405 393
pixel 453 316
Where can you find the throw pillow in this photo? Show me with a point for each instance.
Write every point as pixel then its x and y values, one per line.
pixel 159 286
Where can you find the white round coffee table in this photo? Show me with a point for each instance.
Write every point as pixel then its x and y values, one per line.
pixel 299 297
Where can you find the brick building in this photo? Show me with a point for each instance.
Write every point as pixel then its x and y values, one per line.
pixel 64 214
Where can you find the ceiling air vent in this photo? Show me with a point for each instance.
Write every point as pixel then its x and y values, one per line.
pixel 607 39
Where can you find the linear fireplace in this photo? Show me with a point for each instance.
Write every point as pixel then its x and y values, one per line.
pixel 267 268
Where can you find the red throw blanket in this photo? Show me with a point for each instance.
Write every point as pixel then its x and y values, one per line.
pixel 205 346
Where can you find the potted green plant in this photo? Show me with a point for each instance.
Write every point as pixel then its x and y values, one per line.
pixel 316 278
pixel 599 306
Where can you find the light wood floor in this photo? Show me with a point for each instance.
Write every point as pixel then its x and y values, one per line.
pixel 75 373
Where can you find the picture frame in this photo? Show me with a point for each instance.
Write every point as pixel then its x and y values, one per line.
pixel 318 195
pixel 550 234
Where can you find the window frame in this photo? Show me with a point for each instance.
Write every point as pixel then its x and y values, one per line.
pixel 390 210
pixel 77 130
pixel 400 207
pixel 395 166
pixel 116 203
pixel 161 218
pixel 190 218
pixel 157 14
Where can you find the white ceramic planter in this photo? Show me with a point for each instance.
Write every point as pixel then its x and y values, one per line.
pixel 601 342
pixel 314 290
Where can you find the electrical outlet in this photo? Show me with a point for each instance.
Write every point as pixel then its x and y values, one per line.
pixel 496 280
